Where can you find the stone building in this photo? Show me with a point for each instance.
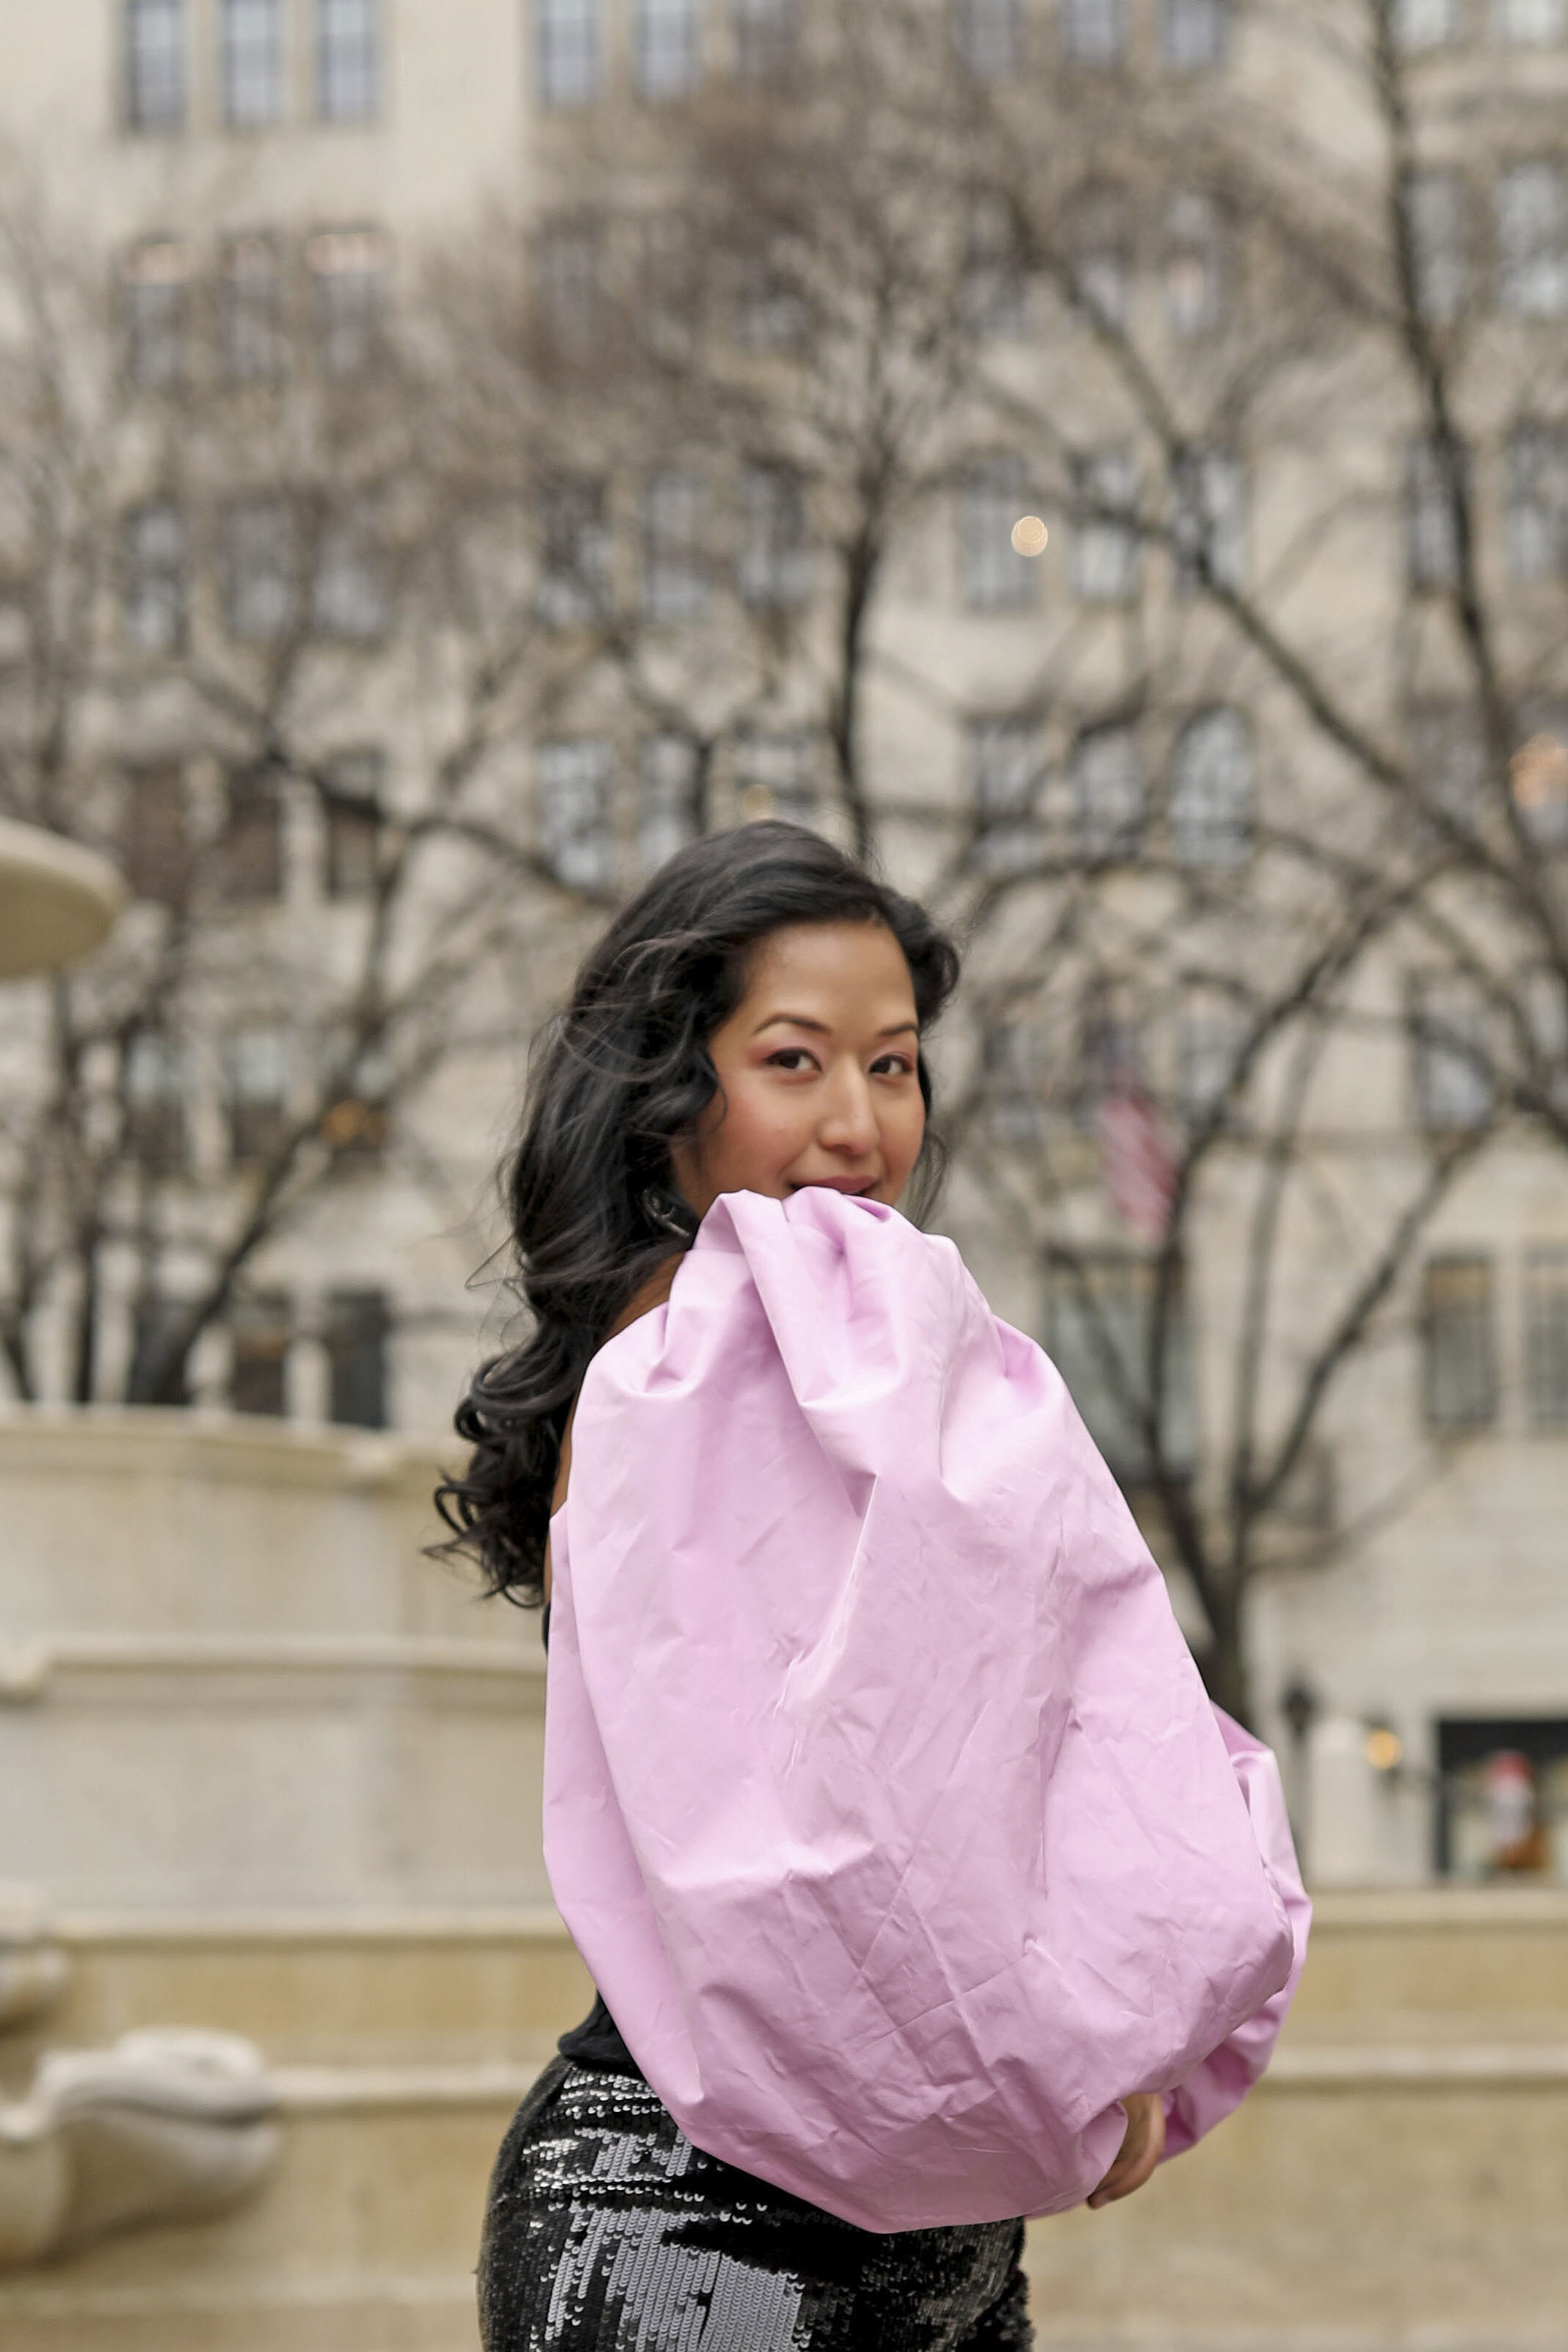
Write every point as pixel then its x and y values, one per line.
pixel 278 169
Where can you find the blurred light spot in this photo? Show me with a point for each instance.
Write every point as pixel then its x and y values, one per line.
pixel 1538 772
pixel 1385 1749
pixel 1029 536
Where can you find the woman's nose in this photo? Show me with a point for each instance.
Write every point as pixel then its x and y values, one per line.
pixel 849 1115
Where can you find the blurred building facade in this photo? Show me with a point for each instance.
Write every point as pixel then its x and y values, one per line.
pixel 269 172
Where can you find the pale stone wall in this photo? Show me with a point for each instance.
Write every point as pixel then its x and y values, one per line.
pixel 229 1680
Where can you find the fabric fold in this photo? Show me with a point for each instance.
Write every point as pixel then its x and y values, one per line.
pixel 882 1797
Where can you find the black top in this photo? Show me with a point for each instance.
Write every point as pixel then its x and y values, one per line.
pixel 597 2041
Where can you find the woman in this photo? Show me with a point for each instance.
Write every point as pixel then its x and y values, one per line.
pixel 750 1025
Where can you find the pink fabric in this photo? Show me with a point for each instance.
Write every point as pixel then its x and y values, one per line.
pixel 882 1797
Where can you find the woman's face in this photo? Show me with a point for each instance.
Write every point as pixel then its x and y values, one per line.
pixel 818 1065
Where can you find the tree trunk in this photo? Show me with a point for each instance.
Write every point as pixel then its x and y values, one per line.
pixel 1224 1665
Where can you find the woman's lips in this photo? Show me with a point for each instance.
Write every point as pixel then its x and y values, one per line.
pixel 859 1186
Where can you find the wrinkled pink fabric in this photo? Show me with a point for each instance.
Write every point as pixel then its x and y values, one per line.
pixel 882 1797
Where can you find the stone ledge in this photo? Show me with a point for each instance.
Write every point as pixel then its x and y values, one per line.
pixel 355 2090
pixel 1342 1910
pixel 31 1669
pixel 45 1441
pixel 527 1923
pixel 1436 2065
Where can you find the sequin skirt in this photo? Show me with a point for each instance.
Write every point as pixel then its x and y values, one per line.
pixel 607 2229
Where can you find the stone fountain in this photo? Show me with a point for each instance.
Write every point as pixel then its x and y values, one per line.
pixel 167 2124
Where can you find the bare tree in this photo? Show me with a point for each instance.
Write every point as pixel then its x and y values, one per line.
pixel 1227 754
pixel 229 582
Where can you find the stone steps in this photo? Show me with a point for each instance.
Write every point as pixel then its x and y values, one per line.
pixel 1399 2179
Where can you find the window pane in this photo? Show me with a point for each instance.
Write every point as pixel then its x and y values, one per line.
pixel 1014 1080
pixel 160 1348
pixel 1546 1337
pixel 989 37
pixel 568 51
pixel 1196 33
pixel 1108 794
pixel 1546 1012
pixel 155 65
pixel 347 64
pixel 1103 562
pixel 766 35
pixel 574 571
pixel 1423 24
pixel 995 493
pixel 255 1091
pixel 1110 1052
pixel 668 778
pixel 1196 262
pixel 355 786
pixel 154 575
pixel 1459 1347
pixel 770 313
pixel 1435 213
pixel 675 571
pixel 1436 481
pixel 1532 23
pixel 665 48
pixel 252 62
pixel 1452 1036
pixel 574 829
pixel 154 1080
pixel 775 776
pixel 1210 791
pixel 1210 1036
pixel 155 850
pixel 992 287
pixel 1448 759
pixel 358 1322
pixel 1209 521
pixel 1099 236
pixel 772 566
pixel 250 319
pixel 259 568
pixel 349 593
pixel 260 1330
pixel 1093 32
pixel 250 864
pixel 1533 240
pixel 348 275
pixel 155 291
pixel 1004 781
pixel 1537 528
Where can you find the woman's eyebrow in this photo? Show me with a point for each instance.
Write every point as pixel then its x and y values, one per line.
pixel 821 1028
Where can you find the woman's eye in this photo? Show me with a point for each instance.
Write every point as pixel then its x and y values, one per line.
pixel 892 1065
pixel 790 1058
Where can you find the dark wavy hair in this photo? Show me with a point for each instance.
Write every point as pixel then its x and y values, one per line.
pixel 589 1188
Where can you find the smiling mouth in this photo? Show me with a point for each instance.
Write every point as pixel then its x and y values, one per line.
pixel 837 1184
